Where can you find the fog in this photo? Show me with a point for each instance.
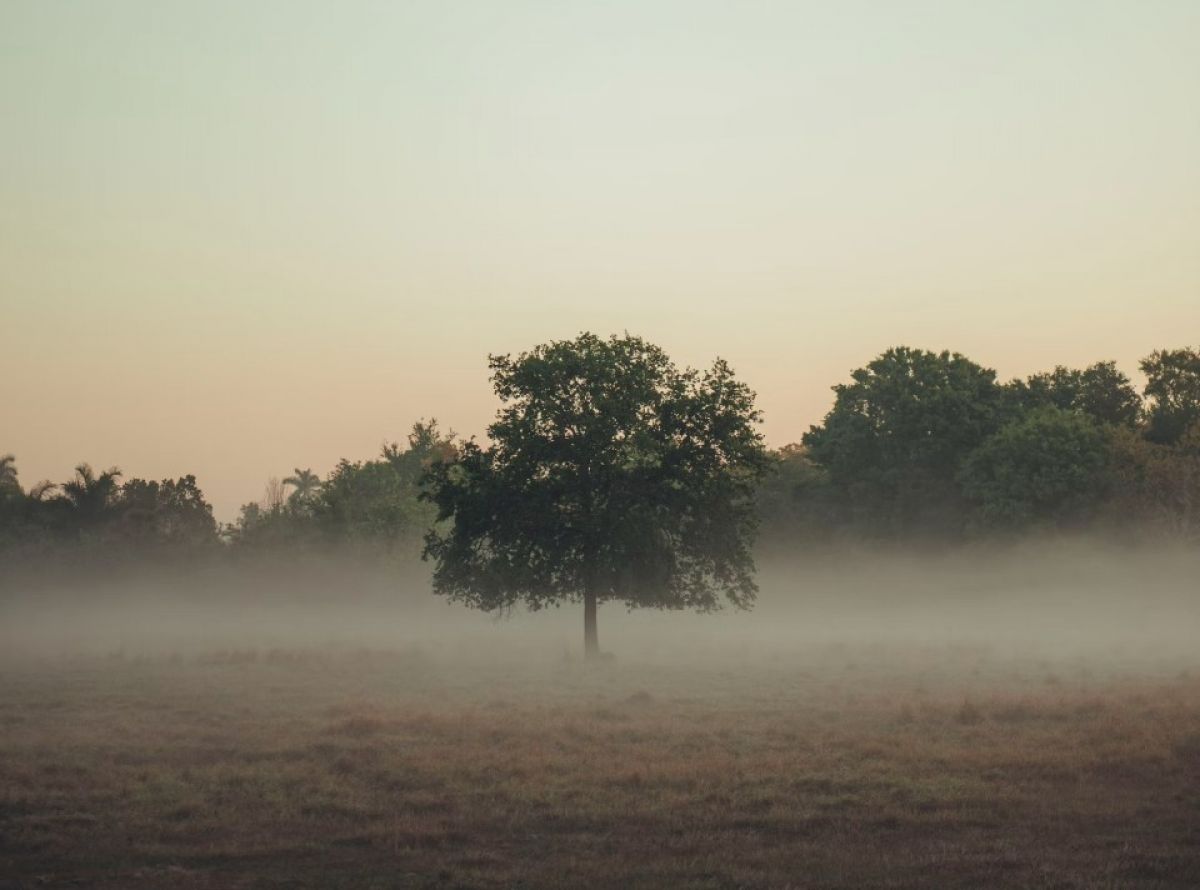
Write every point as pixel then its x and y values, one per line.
pixel 1018 716
pixel 1075 598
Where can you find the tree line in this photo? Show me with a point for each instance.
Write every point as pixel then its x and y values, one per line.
pixel 925 445
pixel 917 446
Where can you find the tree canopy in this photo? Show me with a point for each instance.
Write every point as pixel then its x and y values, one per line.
pixel 1046 466
pixel 898 432
pixel 1100 391
pixel 610 475
pixel 1173 392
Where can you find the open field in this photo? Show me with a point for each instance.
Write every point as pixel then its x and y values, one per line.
pixel 840 766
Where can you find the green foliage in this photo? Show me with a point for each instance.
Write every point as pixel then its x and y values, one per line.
pixel 371 504
pixel 1044 468
pixel 613 475
pixel 1100 391
pixel 610 475
pixel 89 498
pixel 1173 391
pixel 898 432
pixel 92 521
pixel 796 503
pixel 304 484
pixel 1156 487
pixel 170 514
pixel 380 500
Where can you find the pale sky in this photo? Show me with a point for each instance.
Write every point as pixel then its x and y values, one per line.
pixel 242 237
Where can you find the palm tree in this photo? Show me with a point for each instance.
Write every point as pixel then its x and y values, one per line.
pixel 307 484
pixel 39 491
pixel 90 495
pixel 8 473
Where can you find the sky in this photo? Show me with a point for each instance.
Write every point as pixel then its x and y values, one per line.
pixel 239 238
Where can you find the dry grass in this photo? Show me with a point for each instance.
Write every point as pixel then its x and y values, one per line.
pixel 843 768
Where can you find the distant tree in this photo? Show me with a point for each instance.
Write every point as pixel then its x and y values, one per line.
pixel 15 510
pixel 11 501
pixel 25 516
pixel 898 432
pixel 274 526
pixel 371 505
pixel 795 501
pixel 378 502
pixel 306 484
pixel 274 495
pixel 426 444
pixel 1100 391
pixel 89 497
pixel 1173 389
pixel 1157 486
pixel 611 475
pixel 39 491
pixel 171 513
pixel 11 496
pixel 8 474
pixel 1045 468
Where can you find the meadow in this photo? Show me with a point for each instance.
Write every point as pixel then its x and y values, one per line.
pixel 835 765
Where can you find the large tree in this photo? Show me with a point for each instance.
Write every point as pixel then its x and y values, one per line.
pixel 1045 468
pixel 610 475
pixel 899 430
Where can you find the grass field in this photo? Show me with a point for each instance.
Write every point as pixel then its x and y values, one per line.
pixel 842 766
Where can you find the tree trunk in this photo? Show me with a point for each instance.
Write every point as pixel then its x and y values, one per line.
pixel 591 642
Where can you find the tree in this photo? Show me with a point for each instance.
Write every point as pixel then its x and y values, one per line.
pixel 1046 467
pixel 426 444
pixel 1173 388
pixel 11 496
pixel 611 475
pixel 306 484
pixel 795 501
pixel 898 432
pixel 1100 391
pixel 89 496
pixel 274 496
pixel 8 474
pixel 378 501
pixel 171 513
pixel 1156 486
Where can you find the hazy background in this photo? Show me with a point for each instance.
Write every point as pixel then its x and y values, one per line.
pixel 238 238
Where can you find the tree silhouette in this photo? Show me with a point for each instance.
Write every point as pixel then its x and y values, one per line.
pixel 41 490
pixel 8 473
pixel 306 484
pixel 611 475
pixel 1173 389
pixel 90 495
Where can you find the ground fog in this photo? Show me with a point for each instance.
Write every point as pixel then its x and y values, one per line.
pixel 1025 718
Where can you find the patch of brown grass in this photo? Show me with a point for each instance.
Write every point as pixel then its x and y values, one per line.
pixel 359 769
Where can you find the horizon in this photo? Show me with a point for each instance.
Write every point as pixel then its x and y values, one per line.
pixel 227 511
